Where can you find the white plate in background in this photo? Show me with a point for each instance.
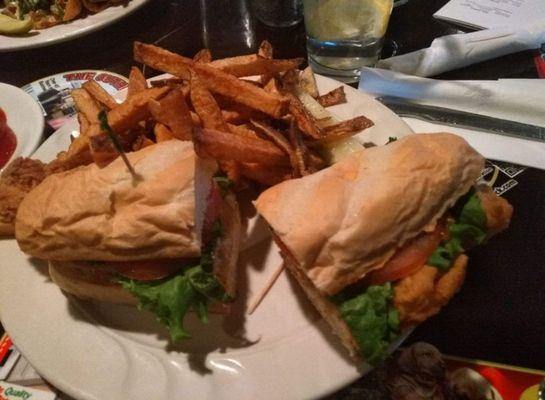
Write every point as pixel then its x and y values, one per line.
pixel 69 30
pixel 25 118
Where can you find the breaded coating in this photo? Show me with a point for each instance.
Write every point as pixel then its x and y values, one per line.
pixel 422 294
pixel 21 176
pixel 498 211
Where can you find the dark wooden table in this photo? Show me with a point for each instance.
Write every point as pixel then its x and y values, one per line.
pixel 499 314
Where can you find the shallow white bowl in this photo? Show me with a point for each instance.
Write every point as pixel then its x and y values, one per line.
pixel 25 118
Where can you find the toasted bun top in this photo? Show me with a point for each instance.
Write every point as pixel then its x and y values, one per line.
pixel 100 214
pixel 349 219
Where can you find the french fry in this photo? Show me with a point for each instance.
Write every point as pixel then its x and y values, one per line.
pixel 195 119
pixel 265 49
pixel 99 94
pixel 314 161
pixel 232 116
pixel 243 130
pixel 84 124
pixel 290 78
pixel 202 56
pixel 232 169
pixel 305 122
pixel 252 82
pixel 206 106
pixel 344 129
pixel 272 86
pixel 121 119
pixel 162 133
pixel 254 64
pixel 307 82
pixel 162 60
pixel 332 98
pixel 140 142
pixel 264 174
pixel 172 111
pixel 170 82
pixel 242 92
pixel 240 114
pixel 128 114
pixel 278 139
pixel 216 80
pixel 78 153
pixel 301 152
pixel 227 146
pixel 86 105
pixel 137 82
pixel 103 150
pixel 211 117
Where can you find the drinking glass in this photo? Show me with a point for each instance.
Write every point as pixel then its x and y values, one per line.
pixel 227 27
pixel 345 35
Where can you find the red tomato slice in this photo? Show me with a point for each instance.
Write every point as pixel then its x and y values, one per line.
pixel 147 270
pixel 213 212
pixel 410 258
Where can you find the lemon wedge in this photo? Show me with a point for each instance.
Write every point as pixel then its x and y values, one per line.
pixel 12 26
pixel 348 19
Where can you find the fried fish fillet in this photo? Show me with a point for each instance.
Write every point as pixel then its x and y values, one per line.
pixel 19 178
pixel 422 294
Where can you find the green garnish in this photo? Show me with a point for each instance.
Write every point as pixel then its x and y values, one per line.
pixel 192 289
pixel 372 319
pixel 223 182
pixel 468 230
pixel 105 126
pixel 26 6
pixel 171 298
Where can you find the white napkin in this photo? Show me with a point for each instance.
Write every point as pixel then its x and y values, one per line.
pixel 521 100
pixel 456 51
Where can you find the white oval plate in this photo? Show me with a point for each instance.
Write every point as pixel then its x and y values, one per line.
pixel 99 351
pixel 69 30
pixel 25 118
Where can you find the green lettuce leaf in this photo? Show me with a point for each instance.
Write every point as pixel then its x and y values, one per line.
pixel 372 319
pixel 224 183
pixel 468 230
pixel 171 298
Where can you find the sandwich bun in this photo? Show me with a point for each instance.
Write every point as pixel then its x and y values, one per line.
pixel 349 219
pixel 97 214
pixel 87 283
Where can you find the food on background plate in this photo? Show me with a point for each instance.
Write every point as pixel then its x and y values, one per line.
pixel 377 240
pixel 25 15
pixel 169 241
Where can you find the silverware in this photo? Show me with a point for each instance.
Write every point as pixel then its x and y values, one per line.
pixel 462 119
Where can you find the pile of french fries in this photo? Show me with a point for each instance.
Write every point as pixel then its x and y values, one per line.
pixel 245 112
